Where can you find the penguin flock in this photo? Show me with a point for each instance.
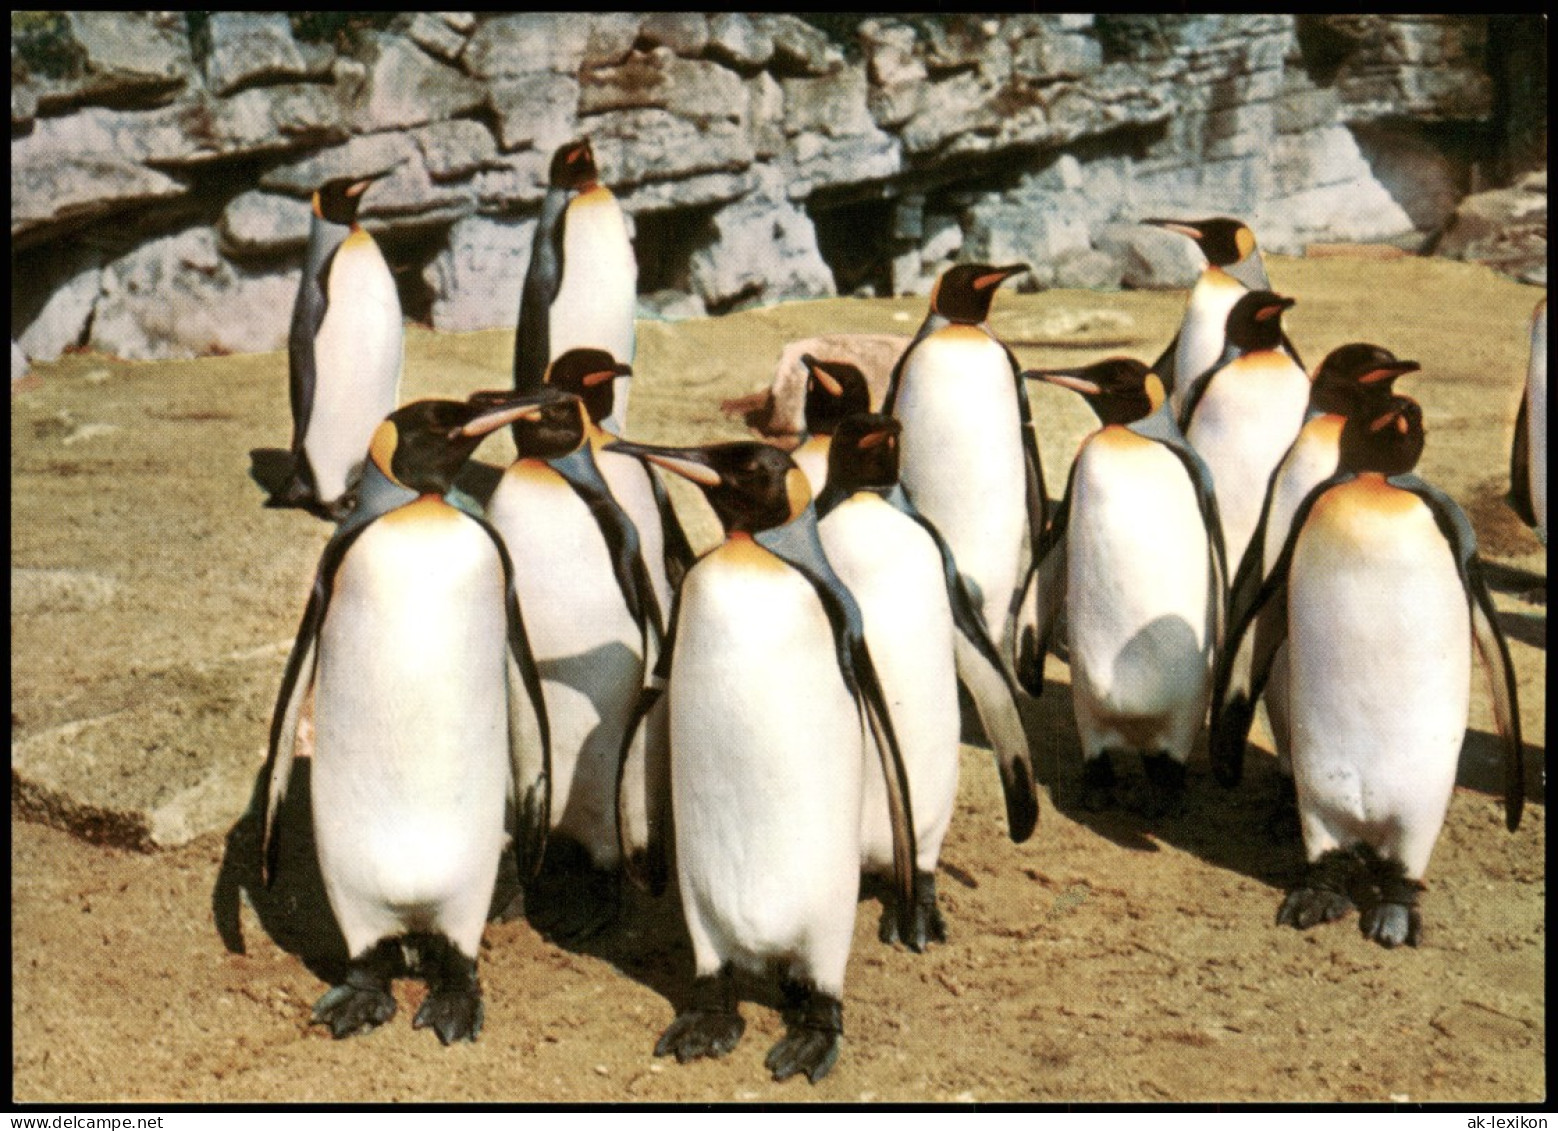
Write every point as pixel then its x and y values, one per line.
pixel 551 671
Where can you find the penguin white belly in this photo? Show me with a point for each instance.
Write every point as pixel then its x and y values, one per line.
pixel 812 458
pixel 766 748
pixel 1379 654
pixel 1247 418
pixel 1536 420
pixel 357 360
pixel 1204 330
pixel 1137 598
pixel 962 459
pixel 411 759
pixel 597 295
pixel 586 645
pixel 894 570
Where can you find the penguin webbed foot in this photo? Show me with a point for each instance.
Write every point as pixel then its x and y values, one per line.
pixel 572 900
pixel 1322 896
pixel 1391 917
pixel 928 926
pixel 1098 783
pixel 361 1003
pixel 814 1030
pixel 1165 795
pixel 709 1026
pixel 453 1008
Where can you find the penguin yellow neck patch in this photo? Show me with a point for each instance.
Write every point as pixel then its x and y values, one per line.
pixel 798 490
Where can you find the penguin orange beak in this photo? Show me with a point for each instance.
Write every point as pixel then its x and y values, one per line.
pixel 998 276
pixel 1067 379
pixel 497 411
pixel 1176 226
pixel 689 463
pixel 1266 313
pixel 1388 372
pixel 600 377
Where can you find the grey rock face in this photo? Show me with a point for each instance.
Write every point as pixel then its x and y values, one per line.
pixel 477 280
pixel 408 87
pixel 249 48
pixel 258 224
pixel 1505 229
pixel 52 299
pixel 759 249
pixel 110 58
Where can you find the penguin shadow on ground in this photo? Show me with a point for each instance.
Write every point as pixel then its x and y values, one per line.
pixel 1481 767
pixel 1244 829
pixel 294 911
pixel 1528 628
pixel 1527 586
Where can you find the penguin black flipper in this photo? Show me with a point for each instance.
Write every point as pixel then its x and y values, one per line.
pixel 644 769
pixel 798 544
pixel 530 739
pixel 1037 498
pixel 1047 579
pixel 1287 344
pixel 1492 648
pixel 1233 702
pixel 296 682
pixel 543 279
pixel 1520 466
pixel 1198 387
pixel 989 684
pixel 302 380
pixel 1167 365
pixel 679 555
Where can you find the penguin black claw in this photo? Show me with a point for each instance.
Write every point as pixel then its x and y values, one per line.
pixel 352 1009
pixel 927 923
pixel 1165 787
pixel 709 1026
pixel 814 1030
pixel 1308 907
pixel 1392 924
pixel 455 1015
pixel 1097 784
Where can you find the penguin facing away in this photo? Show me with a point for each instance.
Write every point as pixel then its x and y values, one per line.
pixel 1380 596
pixel 1245 413
pixel 1354 379
pixel 594 623
pixel 970 457
pixel 1234 266
pixel 1136 554
pixel 428 714
pixel 343 352
pixel 925 633
pixel 581 287
pixel 835 391
pixel 767 816
pixel 1528 450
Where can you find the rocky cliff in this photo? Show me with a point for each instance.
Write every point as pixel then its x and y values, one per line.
pixel 162 162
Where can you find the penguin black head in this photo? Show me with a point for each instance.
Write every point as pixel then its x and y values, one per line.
pixel 751 486
pixel 964 292
pixel 864 453
pixel 834 390
pixel 337 199
pixel 590 375
pixel 1223 240
pixel 573 165
pixel 551 425
pixel 1255 322
pixel 424 444
pixel 1356 374
pixel 1389 442
pixel 1121 390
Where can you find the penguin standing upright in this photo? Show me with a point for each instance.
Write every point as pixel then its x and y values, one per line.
pixel 970 456
pixel 594 622
pixel 769 676
pixel 1356 378
pixel 1380 596
pixel 1234 266
pixel 835 391
pixel 925 633
pixel 1136 553
pixel 1244 414
pixel 581 288
pixel 1528 451
pixel 343 352
pixel 427 715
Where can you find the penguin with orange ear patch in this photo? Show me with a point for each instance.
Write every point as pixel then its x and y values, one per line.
pixel 343 353
pixel 581 288
pixel 1233 267
pixel 835 391
pixel 1136 553
pixel 767 814
pixel 427 716
pixel 970 458
pixel 1380 597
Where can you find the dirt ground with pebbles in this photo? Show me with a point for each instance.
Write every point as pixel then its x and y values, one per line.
pixel 1108 959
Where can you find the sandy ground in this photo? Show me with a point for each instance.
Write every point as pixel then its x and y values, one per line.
pixel 1106 960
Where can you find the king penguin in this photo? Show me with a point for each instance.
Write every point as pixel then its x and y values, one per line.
pixel 1381 597
pixel 1234 266
pixel 581 288
pixel 835 390
pixel 925 633
pixel 427 713
pixel 1244 414
pixel 1357 378
pixel 1528 451
pixel 594 623
pixel 1136 554
pixel 970 458
pixel 343 353
pixel 768 685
